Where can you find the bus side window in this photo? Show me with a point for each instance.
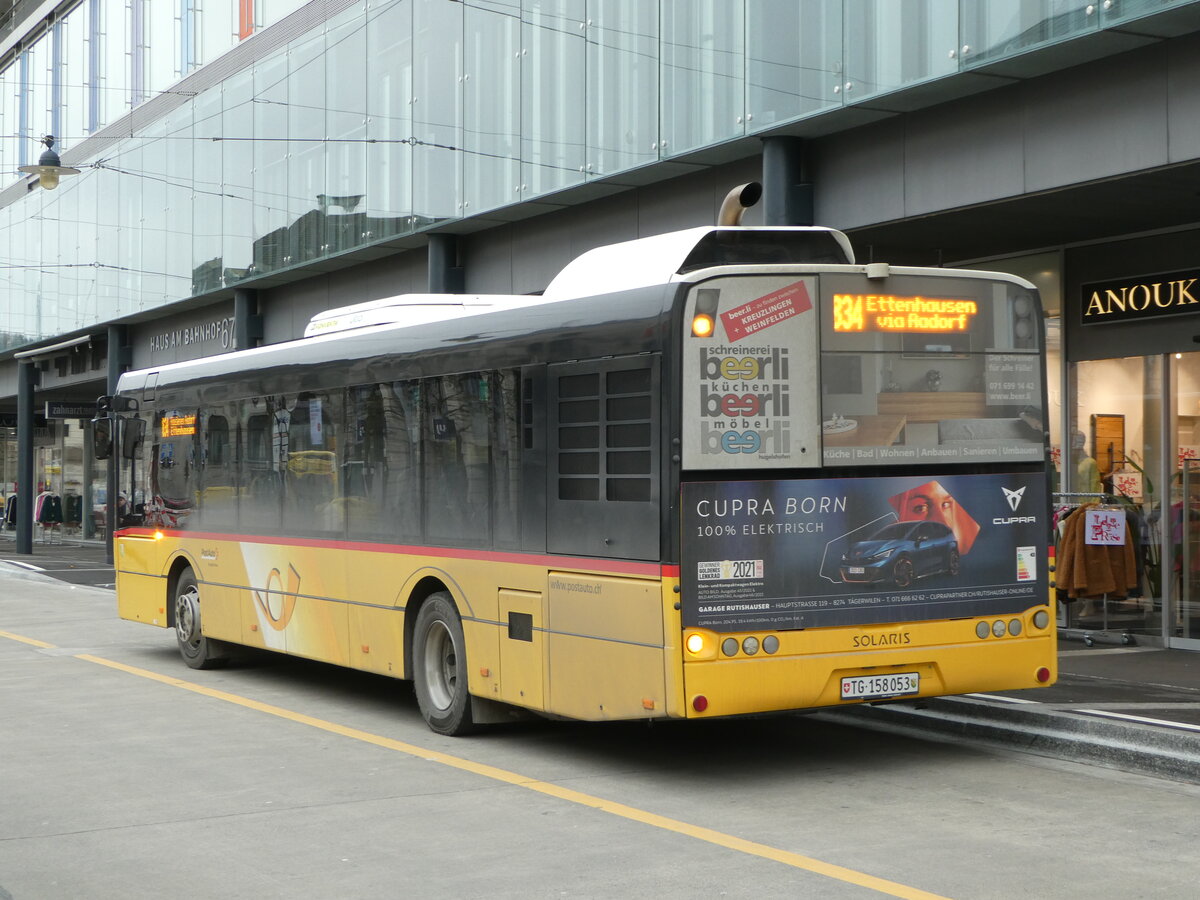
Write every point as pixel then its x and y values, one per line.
pixel 364 472
pixel 506 441
pixel 261 480
pixel 312 493
pixel 219 475
pixel 402 494
pixel 456 450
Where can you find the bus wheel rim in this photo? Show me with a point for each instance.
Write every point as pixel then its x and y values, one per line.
pixel 187 616
pixel 441 666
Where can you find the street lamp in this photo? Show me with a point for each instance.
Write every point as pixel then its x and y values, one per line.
pixel 49 168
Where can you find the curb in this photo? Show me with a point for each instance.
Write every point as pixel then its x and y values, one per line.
pixel 1159 751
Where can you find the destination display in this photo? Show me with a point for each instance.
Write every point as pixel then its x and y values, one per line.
pixel 924 368
pixel 786 554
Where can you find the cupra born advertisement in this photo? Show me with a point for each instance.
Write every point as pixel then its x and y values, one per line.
pixel 853 551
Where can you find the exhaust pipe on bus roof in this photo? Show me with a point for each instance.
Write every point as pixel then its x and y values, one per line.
pixel 737 201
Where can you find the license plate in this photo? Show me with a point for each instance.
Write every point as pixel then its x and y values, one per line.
pixel 897 684
pixel 856 570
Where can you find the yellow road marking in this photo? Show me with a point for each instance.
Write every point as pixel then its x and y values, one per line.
pixel 25 640
pixel 720 839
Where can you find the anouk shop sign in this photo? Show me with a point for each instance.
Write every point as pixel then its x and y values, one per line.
pixel 217 333
pixel 1147 297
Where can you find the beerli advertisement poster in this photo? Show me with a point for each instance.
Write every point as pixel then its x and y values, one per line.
pixel 854 551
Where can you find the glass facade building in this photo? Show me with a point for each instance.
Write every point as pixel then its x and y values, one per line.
pixel 220 142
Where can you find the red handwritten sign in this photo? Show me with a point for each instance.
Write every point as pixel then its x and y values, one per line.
pixel 1105 527
pixel 764 312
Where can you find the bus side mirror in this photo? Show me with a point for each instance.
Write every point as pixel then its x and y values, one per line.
pixel 133 431
pixel 102 437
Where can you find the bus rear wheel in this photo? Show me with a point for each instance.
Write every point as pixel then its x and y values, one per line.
pixel 198 651
pixel 440 667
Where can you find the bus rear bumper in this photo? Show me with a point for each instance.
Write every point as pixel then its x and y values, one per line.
pixel 727 687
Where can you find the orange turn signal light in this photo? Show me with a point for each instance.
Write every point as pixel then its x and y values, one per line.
pixel 702 325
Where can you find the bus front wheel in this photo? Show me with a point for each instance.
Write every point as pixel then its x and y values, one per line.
pixel 198 651
pixel 440 667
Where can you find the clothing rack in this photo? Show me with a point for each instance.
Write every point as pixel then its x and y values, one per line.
pixel 1087 635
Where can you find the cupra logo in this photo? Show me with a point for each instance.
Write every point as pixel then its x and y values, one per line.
pixel 1013 497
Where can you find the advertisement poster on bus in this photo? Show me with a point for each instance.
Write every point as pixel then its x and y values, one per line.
pixel 750 388
pixel 855 551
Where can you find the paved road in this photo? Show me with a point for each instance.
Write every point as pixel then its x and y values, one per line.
pixel 123 774
pixel 76 562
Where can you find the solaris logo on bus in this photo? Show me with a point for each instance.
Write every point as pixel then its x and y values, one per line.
pixel 747 395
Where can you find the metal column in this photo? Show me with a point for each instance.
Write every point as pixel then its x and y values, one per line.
pixel 119 359
pixel 27 379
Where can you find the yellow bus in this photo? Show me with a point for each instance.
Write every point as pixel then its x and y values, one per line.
pixel 709 473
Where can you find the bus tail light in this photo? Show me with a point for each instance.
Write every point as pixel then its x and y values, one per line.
pixel 699 703
pixel 1041 619
pixel 701 644
pixel 1043 675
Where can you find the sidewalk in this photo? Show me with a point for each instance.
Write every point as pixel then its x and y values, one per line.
pixel 1131 708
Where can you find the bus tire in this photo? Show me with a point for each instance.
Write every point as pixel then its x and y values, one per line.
pixel 198 651
pixel 440 667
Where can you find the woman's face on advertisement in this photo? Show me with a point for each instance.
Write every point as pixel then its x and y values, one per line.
pixel 925 506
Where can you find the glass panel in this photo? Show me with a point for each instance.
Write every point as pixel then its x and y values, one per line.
pixel 311 476
pixel 506 458
pixel 402 415
pixel 793 58
pixel 491 105
pixel 340 200
pixel 703 90
pixel 1116 445
pixel 437 110
pixel 236 187
pixel 73 76
pixel 115 54
pixel 306 147
pixel 1185 619
pixel 890 45
pixel 364 468
pixel 271 212
pixel 208 267
pixel 456 450
pixel 993 31
pixel 217 20
pixel 389 119
pixel 161 45
pixel 265 425
pixel 268 12
pixel 40 120
pixel 553 96
pixel 622 84
pixel 10 124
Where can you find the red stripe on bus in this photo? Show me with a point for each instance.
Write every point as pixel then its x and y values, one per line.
pixel 623 567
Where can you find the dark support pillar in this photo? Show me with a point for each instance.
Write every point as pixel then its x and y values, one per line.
pixel 446 276
pixel 247 320
pixel 787 191
pixel 27 379
pixel 87 523
pixel 120 356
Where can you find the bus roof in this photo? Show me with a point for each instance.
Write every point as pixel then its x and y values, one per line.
pixel 413 309
pixel 663 258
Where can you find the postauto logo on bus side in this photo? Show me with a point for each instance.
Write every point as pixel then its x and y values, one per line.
pixel 748 395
